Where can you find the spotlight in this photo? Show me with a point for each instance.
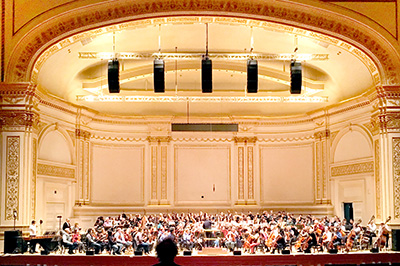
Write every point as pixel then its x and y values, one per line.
pixel 295 77
pixel 159 83
pixel 252 76
pixel 206 75
pixel 113 76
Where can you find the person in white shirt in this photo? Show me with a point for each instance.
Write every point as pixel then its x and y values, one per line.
pixel 32 228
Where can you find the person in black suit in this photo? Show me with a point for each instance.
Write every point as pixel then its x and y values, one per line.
pixel 67 224
pixel 166 253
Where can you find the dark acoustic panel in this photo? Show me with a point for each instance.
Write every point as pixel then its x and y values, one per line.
pixel 295 77
pixel 252 76
pixel 159 78
pixel 113 76
pixel 205 127
pixel 396 239
pixel 206 76
pixel 11 241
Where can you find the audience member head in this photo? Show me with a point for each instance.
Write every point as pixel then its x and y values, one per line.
pixel 166 251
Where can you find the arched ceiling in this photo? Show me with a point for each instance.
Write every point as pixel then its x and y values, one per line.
pixel 66 73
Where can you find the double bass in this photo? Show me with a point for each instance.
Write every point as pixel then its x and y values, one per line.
pixel 383 235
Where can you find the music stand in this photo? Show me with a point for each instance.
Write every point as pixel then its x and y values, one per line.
pixel 59 222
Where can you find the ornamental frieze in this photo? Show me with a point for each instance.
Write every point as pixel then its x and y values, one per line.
pixel 124 10
pixel 322 134
pixel 18 118
pixel 352 169
pixel 245 140
pixel 57 171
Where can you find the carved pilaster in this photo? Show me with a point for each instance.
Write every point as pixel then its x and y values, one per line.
pixel 321 183
pixel 33 179
pixel 377 180
pixel 83 149
pixel 250 174
pixel 396 177
pixel 241 173
pixel 159 170
pixel 12 176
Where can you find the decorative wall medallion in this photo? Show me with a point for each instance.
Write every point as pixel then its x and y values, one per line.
pixel 351 169
pixel 12 176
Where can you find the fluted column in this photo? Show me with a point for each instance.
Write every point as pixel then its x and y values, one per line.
pixel 322 172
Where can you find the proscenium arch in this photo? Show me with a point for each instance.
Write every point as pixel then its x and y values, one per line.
pixel 42 37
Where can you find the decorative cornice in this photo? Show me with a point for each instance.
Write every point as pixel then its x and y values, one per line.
pixel 352 169
pixel 56 171
pixel 309 17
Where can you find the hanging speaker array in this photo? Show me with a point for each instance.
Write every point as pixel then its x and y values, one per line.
pixel 252 76
pixel 295 77
pixel 206 75
pixel 159 76
pixel 113 76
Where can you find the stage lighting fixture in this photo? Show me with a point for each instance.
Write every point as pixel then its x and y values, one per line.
pixel 159 80
pixel 252 76
pixel 113 76
pixel 295 77
pixel 206 75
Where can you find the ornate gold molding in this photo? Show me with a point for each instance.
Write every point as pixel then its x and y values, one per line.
pixel 154 172
pixel 396 177
pixel 12 176
pixel 18 120
pixel 58 171
pixel 352 169
pixel 322 134
pixel 159 139
pixel 33 179
pixel 311 18
pixel 245 140
pixel 79 133
pixel 250 173
pixel 240 173
pixel 164 172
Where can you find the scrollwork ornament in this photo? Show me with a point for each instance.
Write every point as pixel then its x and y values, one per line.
pixel 396 176
pixel 12 176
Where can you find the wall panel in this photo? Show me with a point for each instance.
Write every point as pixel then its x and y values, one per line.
pixel 117 175
pixel 202 175
pixel 287 174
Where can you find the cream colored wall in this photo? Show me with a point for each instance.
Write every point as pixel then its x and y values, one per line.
pixel 287 174
pixel 117 175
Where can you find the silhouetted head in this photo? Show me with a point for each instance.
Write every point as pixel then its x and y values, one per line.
pixel 166 250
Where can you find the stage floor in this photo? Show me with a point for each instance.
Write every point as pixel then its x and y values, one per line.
pixel 317 259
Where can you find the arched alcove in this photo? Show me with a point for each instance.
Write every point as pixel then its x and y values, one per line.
pixel 55 147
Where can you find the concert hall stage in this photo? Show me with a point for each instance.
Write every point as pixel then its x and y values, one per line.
pixel 231 260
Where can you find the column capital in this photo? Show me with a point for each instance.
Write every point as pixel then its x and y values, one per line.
pixel 80 133
pixel 323 134
pixel 245 139
pixel 159 139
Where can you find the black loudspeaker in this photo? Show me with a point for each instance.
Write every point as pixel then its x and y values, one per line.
pixel 159 83
pixel 295 77
pixel 237 252
pixel 138 253
pixel 286 251
pixel 11 239
pixel 252 76
pixel 113 76
pixel 187 253
pixel 374 250
pixel 46 252
pixel 396 239
pixel 333 251
pixel 89 252
pixel 206 76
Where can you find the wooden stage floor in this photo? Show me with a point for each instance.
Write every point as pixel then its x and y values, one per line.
pixel 204 260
